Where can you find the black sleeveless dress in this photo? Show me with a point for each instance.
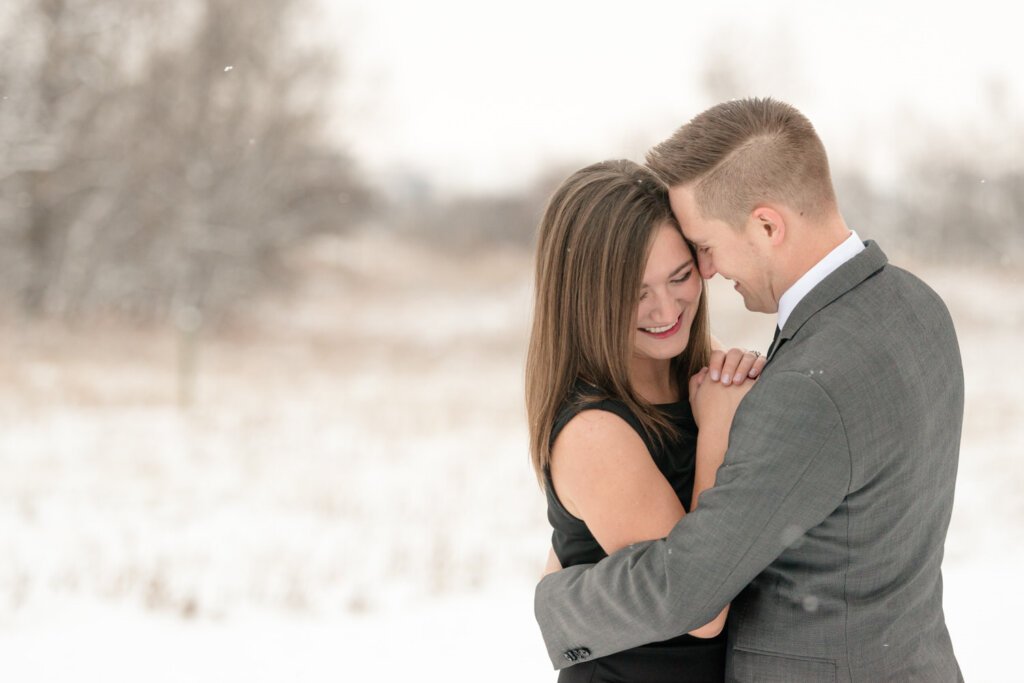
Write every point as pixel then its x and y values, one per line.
pixel 685 658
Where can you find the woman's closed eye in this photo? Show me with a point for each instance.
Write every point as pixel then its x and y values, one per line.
pixel 682 278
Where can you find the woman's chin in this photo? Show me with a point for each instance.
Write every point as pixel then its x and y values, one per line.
pixel 661 351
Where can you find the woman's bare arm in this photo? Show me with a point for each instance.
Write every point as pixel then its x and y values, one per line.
pixel 604 474
pixel 713 411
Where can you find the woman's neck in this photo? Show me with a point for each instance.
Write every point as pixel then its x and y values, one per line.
pixel 652 380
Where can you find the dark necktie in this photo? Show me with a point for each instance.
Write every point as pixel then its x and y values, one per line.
pixel 775 340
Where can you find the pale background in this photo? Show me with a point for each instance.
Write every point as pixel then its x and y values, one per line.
pixel 329 481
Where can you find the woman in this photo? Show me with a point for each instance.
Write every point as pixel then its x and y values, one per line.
pixel 620 336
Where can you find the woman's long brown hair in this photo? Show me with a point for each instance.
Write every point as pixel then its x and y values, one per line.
pixel 592 249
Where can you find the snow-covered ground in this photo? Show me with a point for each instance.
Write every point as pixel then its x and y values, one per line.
pixel 349 496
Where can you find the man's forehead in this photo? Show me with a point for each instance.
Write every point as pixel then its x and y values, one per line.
pixel 694 227
pixel 680 195
pixel 683 206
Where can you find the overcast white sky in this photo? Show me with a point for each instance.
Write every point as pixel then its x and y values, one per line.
pixel 484 95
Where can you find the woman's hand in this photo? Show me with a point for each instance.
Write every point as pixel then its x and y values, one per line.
pixel 735 365
pixel 714 403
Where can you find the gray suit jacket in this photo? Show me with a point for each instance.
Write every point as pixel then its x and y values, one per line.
pixel 826 524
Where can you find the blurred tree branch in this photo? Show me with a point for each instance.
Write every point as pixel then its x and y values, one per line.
pixel 158 156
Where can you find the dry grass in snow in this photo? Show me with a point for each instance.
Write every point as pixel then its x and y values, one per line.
pixel 353 472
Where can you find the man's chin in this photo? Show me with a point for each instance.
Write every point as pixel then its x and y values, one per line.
pixel 755 306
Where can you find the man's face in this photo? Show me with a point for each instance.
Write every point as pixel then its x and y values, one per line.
pixel 738 255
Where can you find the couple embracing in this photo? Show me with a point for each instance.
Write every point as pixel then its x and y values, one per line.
pixel 722 515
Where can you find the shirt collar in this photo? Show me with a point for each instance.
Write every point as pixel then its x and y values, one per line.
pixel 849 248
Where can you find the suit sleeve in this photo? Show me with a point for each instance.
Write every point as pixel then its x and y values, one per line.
pixel 786 470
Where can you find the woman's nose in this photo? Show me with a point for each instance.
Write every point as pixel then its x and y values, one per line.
pixel 666 308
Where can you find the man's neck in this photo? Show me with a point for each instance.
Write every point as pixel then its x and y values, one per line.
pixel 812 244
pixel 821 269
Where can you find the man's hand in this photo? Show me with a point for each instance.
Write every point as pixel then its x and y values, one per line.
pixel 735 365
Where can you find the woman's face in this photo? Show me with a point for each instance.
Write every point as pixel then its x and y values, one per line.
pixel 669 294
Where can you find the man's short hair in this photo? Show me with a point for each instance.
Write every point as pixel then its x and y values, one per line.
pixel 743 152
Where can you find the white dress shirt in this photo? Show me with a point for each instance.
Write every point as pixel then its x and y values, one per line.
pixel 849 248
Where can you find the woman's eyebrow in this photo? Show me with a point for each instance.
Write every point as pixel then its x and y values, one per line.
pixel 688 263
pixel 681 268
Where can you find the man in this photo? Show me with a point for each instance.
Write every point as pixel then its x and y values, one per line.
pixel 826 525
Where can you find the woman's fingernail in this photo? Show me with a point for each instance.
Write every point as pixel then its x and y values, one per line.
pixel 714 375
pixel 726 379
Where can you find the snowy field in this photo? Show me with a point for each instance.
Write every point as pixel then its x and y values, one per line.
pixel 349 498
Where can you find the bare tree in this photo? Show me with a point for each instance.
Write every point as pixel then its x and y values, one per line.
pixel 161 155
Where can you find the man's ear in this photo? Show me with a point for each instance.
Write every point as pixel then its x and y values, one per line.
pixel 769 224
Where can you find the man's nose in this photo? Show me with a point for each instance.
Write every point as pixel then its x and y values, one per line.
pixel 706 267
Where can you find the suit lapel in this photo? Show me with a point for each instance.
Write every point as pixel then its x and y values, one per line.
pixel 839 282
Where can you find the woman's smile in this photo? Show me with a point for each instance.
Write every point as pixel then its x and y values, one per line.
pixel 665 331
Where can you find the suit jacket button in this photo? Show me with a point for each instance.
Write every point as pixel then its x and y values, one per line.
pixel 570 655
pixel 583 653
